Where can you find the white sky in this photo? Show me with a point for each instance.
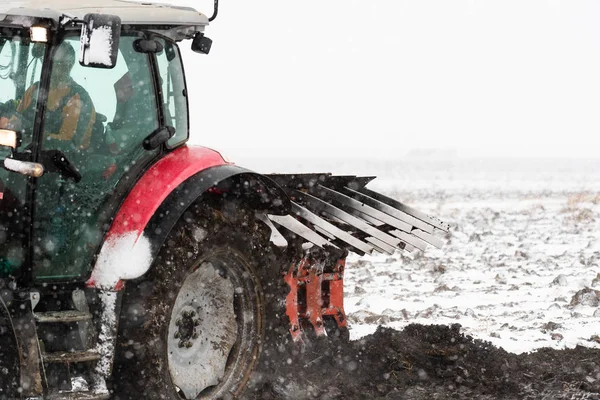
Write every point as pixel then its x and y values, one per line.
pixel 382 77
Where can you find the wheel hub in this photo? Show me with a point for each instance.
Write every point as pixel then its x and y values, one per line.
pixel 202 331
pixel 186 328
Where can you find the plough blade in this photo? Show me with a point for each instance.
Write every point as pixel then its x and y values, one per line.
pixel 340 211
pixel 322 207
pixel 434 221
pixel 297 227
pixel 429 238
pixel 331 229
pixel 363 208
pixel 402 216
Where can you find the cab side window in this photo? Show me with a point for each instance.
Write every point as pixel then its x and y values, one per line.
pixel 174 91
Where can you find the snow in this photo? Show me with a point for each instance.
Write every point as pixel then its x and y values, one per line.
pixel 513 262
pixel 25 21
pixel 106 340
pixel 121 258
pixel 100 46
pixel 79 384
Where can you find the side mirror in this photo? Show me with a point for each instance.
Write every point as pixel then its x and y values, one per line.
pixel 158 137
pixel 150 46
pixel 100 36
pixel 201 44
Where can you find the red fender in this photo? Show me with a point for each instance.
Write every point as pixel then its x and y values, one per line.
pixel 157 183
pixel 141 204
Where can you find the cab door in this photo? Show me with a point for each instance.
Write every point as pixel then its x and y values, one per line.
pixel 20 66
pixel 93 134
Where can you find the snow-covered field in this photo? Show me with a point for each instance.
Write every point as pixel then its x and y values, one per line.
pixel 525 240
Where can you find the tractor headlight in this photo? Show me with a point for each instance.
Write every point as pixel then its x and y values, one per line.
pixel 38 34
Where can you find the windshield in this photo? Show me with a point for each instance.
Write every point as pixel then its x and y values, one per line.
pixel 20 70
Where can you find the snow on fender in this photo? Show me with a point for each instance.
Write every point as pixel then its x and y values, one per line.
pixel 126 253
pixel 122 257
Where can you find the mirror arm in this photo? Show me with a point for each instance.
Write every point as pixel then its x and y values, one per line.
pixel 215 12
pixel 65 20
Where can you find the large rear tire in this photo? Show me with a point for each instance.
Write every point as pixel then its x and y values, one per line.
pixel 193 327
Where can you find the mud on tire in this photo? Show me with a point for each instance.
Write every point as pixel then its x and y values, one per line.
pixel 158 334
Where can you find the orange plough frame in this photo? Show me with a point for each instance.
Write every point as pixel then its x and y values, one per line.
pixel 315 295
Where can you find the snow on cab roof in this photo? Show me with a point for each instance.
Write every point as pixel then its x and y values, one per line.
pixel 129 12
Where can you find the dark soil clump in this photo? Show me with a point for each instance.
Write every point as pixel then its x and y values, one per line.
pixel 426 362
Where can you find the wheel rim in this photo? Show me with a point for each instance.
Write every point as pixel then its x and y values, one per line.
pixel 203 330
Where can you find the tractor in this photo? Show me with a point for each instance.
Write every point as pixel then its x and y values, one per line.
pixel 133 265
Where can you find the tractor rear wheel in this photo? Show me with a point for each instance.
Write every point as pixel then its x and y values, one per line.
pixel 194 326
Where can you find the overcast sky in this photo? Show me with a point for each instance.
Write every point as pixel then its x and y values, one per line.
pixel 381 78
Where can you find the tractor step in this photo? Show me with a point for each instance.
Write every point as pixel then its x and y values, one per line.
pixel 71 357
pixel 62 316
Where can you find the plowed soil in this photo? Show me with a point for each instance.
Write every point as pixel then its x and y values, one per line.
pixel 520 271
pixel 428 362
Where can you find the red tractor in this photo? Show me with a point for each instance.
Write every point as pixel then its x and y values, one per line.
pixel 131 264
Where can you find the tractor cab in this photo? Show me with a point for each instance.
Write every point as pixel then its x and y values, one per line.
pixel 87 102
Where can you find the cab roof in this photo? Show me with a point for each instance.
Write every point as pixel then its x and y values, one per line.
pixel 130 12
